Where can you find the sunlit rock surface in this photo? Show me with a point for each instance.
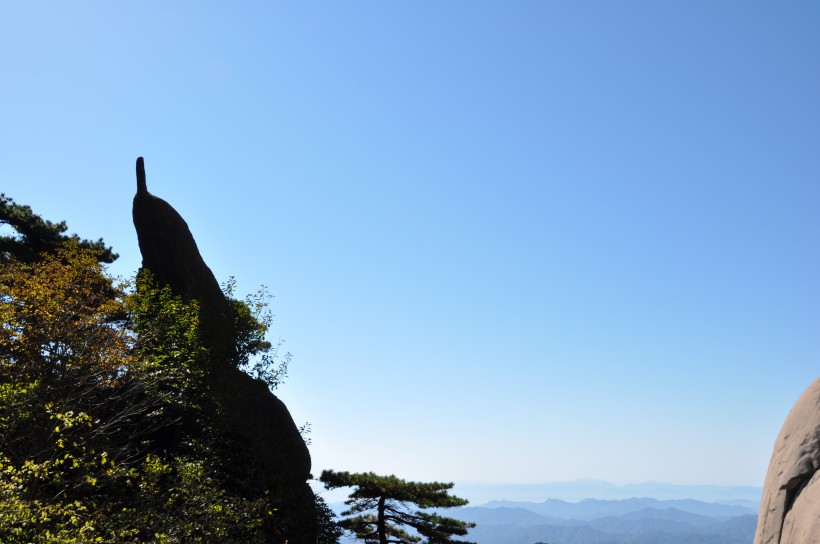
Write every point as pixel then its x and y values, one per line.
pixel 790 504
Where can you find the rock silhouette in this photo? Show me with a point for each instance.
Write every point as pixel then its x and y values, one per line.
pixel 171 254
pixel 790 504
pixel 267 452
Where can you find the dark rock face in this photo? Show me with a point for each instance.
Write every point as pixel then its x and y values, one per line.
pixel 268 453
pixel 171 254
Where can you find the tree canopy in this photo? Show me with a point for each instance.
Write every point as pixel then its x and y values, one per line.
pixel 108 432
pixel 104 431
pixel 380 509
pixel 34 235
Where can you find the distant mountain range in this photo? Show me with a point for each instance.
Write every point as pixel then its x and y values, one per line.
pixel 649 513
pixel 479 493
pixel 592 508
pixel 628 521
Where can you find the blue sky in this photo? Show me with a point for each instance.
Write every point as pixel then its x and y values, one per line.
pixel 509 242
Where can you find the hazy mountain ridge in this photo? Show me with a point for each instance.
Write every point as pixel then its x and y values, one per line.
pixel 576 490
pixel 667 513
pixel 629 521
pixel 594 508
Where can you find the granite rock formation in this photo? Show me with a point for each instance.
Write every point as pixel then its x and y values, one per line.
pixel 267 452
pixel 790 504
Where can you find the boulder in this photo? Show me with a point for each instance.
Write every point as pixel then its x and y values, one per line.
pixel 267 453
pixel 790 504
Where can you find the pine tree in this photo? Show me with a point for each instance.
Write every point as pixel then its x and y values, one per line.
pixel 35 235
pixel 380 509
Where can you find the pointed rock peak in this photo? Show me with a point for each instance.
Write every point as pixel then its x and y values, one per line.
pixel 142 187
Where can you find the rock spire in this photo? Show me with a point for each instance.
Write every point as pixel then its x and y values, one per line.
pixel 267 451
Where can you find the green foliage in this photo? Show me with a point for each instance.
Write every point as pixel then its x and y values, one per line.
pixel 35 235
pixel 328 530
pixel 380 509
pixel 256 356
pixel 166 345
pixel 106 428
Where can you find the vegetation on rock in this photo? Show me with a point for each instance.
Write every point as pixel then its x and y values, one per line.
pixel 117 426
pixel 108 432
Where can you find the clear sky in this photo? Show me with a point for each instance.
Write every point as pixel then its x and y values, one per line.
pixel 509 241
